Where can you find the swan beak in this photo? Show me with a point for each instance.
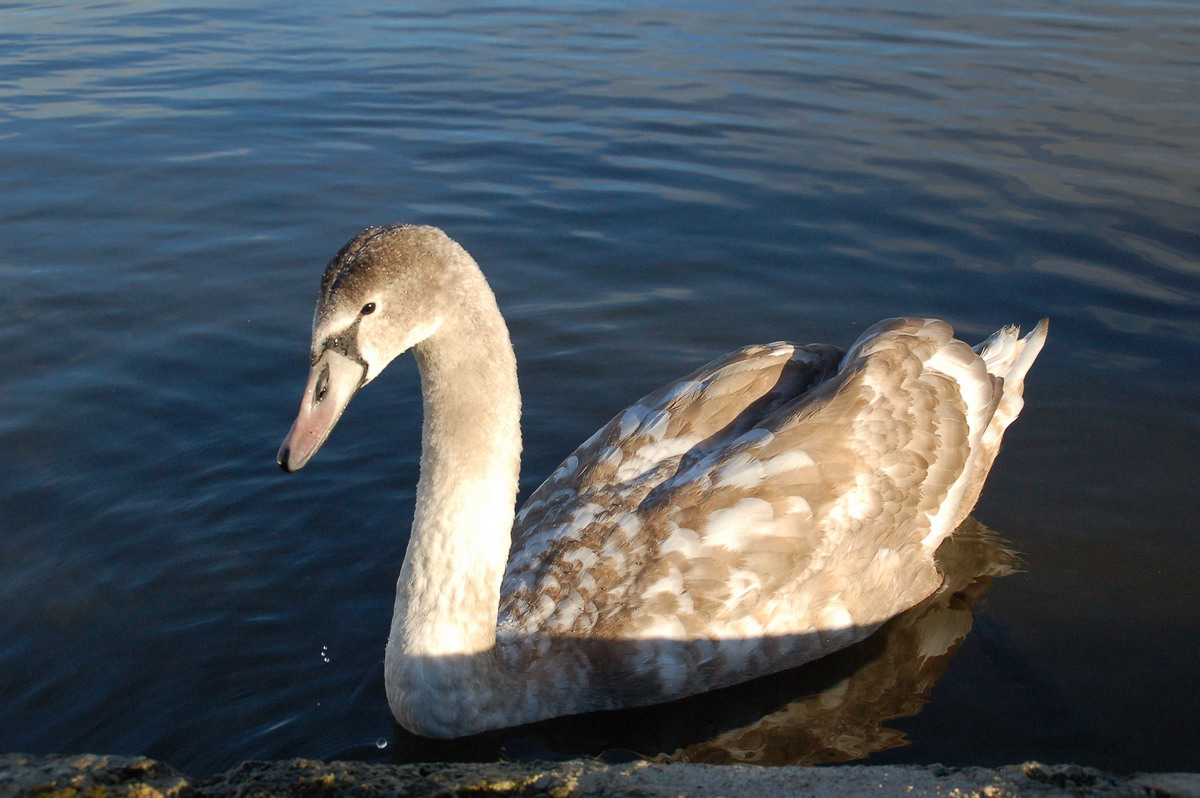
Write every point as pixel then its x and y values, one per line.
pixel 332 383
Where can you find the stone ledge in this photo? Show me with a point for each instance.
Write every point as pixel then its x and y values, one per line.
pixel 96 776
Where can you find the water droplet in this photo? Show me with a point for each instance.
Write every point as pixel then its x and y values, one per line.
pixel 381 743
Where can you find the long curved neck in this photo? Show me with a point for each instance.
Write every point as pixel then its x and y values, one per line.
pixel 447 596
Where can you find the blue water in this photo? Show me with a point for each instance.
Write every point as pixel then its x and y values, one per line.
pixel 647 188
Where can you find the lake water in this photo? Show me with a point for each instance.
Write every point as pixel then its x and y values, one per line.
pixel 647 187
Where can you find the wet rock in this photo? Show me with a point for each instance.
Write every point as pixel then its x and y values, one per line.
pixel 91 776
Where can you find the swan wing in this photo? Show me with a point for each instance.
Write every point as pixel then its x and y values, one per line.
pixel 811 518
pixel 611 473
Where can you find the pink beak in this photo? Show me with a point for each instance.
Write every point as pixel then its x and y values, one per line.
pixel 332 383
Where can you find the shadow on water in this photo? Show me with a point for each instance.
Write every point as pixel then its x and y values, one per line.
pixel 830 710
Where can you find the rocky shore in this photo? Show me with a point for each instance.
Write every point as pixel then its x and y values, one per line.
pixel 95 776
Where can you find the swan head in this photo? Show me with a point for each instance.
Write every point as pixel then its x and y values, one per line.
pixel 385 292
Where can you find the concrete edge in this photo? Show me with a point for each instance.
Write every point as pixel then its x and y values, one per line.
pixel 101 776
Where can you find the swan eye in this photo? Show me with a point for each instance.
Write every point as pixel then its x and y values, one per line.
pixel 368 308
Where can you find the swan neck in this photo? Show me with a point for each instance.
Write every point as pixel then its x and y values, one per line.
pixel 448 592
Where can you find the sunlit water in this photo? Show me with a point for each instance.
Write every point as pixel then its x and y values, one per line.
pixel 646 188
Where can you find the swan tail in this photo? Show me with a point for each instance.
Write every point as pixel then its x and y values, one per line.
pixel 989 380
pixel 1008 356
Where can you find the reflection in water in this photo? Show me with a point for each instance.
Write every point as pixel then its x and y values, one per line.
pixel 831 710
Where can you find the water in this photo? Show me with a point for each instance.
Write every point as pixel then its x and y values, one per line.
pixel 647 188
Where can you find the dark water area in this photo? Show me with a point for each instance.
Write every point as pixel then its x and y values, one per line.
pixel 646 187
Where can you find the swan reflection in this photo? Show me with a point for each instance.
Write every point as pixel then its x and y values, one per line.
pixel 831 710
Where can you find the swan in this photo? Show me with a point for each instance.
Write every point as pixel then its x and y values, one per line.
pixel 773 506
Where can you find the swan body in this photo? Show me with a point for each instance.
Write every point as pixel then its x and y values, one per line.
pixel 775 505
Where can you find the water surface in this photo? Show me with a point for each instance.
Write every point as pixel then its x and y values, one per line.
pixel 646 188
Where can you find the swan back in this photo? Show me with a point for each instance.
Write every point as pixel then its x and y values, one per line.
pixel 775 505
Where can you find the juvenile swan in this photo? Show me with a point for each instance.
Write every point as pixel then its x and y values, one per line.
pixel 771 507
